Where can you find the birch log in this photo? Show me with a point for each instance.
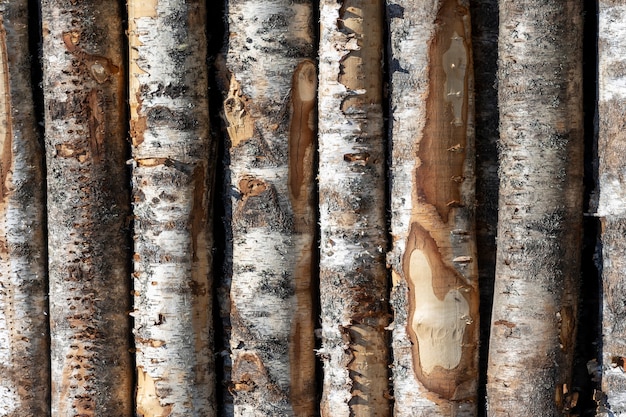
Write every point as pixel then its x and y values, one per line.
pixel 171 180
pixel 88 208
pixel 435 277
pixel 269 88
pixel 353 279
pixel 612 206
pixel 540 208
pixel 24 388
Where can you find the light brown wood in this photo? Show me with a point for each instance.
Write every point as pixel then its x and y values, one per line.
pixel 302 145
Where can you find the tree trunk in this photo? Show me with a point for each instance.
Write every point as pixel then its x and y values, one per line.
pixel 612 209
pixel 540 206
pixel 88 208
pixel 353 279
pixel 269 88
pixel 435 294
pixel 24 388
pixel 173 163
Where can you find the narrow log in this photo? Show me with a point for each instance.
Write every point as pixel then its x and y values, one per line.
pixel 172 159
pixel 540 208
pixel 88 208
pixel 435 275
pixel 612 207
pixel 353 277
pixel 269 89
pixel 24 388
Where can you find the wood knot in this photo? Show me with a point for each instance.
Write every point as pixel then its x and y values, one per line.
pixel 358 157
pixel 249 373
pixel 618 362
pixel 100 68
pixel 504 323
pixel 251 187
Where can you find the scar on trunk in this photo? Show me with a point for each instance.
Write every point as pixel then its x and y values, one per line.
pixel 6 133
pixel 302 128
pixel 439 316
pixel 100 68
pixel 442 148
pixel 148 401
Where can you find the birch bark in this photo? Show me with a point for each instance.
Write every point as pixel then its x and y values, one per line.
pixel 612 209
pixel 353 279
pixel 88 208
pixel 269 88
pixel 539 226
pixel 173 163
pixel 435 292
pixel 24 388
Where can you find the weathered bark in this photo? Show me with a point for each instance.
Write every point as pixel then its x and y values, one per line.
pixel 612 206
pixel 435 294
pixel 24 388
pixel 173 163
pixel 88 208
pixel 540 207
pixel 353 279
pixel 269 88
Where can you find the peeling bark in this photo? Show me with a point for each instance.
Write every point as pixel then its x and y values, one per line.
pixel 173 162
pixel 612 209
pixel 353 278
pixel 269 88
pixel 435 276
pixel 88 208
pixel 540 221
pixel 24 388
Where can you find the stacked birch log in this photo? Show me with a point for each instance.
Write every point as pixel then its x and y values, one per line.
pixel 332 231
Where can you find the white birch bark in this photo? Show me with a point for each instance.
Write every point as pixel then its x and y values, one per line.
pixel 88 208
pixel 435 292
pixel 171 180
pixel 540 208
pixel 269 93
pixel 353 279
pixel 24 388
pixel 612 206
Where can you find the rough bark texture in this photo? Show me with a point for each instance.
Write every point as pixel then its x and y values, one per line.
pixel 173 163
pixel 435 276
pixel 88 208
pixel 24 388
pixel 269 87
pixel 353 279
pixel 612 208
pixel 539 227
